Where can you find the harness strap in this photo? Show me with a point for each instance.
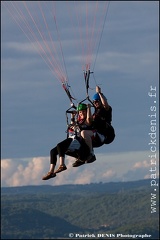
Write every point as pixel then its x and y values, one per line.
pixel 86 78
pixel 66 88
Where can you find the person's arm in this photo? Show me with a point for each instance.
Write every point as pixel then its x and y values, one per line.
pixel 89 115
pixel 103 98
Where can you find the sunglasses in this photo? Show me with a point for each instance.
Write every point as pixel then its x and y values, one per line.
pixel 96 101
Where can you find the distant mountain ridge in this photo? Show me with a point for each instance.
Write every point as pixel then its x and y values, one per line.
pixel 55 212
pixel 111 187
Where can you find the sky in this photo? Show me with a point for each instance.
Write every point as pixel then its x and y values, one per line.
pixel 33 102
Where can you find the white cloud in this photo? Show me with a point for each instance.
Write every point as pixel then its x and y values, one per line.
pixel 144 164
pixel 108 174
pixel 127 62
pixel 111 167
pixel 20 46
pixel 142 169
pixel 8 166
pixel 21 172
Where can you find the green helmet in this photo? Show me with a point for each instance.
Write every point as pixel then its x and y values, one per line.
pixel 81 107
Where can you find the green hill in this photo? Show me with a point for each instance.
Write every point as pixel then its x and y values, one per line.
pixel 84 209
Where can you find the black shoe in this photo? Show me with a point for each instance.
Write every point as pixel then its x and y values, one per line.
pixel 91 159
pixel 78 163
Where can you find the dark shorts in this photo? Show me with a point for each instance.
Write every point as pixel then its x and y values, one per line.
pixel 109 137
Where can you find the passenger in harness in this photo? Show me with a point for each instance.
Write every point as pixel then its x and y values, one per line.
pixel 77 144
pixel 86 130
